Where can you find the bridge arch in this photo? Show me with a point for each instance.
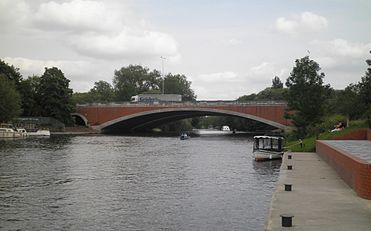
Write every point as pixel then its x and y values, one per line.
pixel 80 119
pixel 152 118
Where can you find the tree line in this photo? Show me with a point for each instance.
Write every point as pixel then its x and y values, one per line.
pixel 134 80
pixel 310 101
pixel 50 95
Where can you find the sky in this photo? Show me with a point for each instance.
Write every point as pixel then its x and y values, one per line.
pixel 226 48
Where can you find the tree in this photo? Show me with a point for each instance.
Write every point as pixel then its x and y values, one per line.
pixel 276 83
pixel 133 80
pixel 306 94
pixel 54 95
pixel 178 84
pixel 27 89
pixel 10 100
pixel 102 92
pixel 10 72
pixel 365 92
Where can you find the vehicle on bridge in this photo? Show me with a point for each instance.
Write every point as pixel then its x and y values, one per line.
pixel 267 148
pixel 153 98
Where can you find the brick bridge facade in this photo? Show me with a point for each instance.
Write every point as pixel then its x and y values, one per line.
pixel 131 117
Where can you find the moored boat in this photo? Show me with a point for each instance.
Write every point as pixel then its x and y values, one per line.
pixel 184 136
pixel 22 132
pixel 39 132
pixel 9 133
pixel 267 148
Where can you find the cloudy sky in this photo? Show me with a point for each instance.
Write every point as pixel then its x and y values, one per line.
pixel 227 48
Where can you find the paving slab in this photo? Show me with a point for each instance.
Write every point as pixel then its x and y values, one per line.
pixel 319 200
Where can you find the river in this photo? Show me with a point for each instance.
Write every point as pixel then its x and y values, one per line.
pixel 133 183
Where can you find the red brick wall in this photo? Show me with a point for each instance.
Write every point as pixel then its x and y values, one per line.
pixel 360 134
pixel 97 115
pixel 354 171
pixel 369 134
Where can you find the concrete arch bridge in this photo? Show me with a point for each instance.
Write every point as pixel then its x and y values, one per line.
pixel 126 117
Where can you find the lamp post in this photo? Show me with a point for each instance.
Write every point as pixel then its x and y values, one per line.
pixel 163 75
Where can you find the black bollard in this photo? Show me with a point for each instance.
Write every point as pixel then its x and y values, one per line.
pixel 288 187
pixel 289 157
pixel 289 167
pixel 286 220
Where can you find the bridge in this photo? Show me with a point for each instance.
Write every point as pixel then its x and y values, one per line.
pixel 126 117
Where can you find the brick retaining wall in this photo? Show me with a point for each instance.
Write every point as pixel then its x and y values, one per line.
pixel 353 170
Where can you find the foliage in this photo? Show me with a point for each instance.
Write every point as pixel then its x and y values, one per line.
pixel 10 100
pixel 268 93
pixel 102 92
pixel 27 89
pixel 309 143
pixel 54 95
pixel 240 124
pixel 365 92
pixel 82 98
pixel 178 84
pixel 133 80
pixel 306 94
pixel 10 72
pixel 276 82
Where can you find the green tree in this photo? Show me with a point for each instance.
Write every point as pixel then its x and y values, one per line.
pixel 10 72
pixel 10 100
pixel 134 80
pixel 27 89
pixel 82 98
pixel 306 94
pixel 276 82
pixel 102 92
pixel 178 84
pixel 365 92
pixel 54 95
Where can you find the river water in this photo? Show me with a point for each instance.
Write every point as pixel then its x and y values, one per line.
pixel 133 183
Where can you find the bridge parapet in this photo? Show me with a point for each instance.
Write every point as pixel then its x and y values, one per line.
pixel 183 104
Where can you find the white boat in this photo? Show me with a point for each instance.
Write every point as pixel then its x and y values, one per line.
pixel 9 133
pixel 267 148
pixel 40 132
pixel 22 132
pixel 184 136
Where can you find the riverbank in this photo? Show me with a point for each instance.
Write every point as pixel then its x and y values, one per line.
pixel 319 200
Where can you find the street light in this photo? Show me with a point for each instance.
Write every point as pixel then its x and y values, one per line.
pixel 163 75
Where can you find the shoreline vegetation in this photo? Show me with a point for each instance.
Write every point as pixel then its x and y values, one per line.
pixel 308 144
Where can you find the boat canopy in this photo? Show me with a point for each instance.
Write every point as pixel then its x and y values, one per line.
pixel 268 143
pixel 268 137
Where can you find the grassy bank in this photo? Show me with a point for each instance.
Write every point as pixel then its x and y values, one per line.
pixel 309 143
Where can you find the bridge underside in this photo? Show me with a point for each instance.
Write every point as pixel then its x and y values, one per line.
pixel 145 121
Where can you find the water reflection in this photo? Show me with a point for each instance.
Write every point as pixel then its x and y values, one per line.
pixel 133 183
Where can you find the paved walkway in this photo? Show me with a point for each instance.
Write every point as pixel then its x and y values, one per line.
pixel 319 200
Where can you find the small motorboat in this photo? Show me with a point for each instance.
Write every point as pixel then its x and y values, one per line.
pixel 267 148
pixel 184 136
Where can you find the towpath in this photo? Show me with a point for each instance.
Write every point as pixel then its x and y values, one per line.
pixel 319 200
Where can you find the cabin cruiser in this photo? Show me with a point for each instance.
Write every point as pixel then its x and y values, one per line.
pixel 267 148
pixel 9 133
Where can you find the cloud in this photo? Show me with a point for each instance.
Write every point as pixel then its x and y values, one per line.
pixel 79 72
pixel 97 29
pixel 129 43
pixel 304 22
pixel 231 85
pixel 342 48
pixel 221 76
pixel 13 13
pixel 77 16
